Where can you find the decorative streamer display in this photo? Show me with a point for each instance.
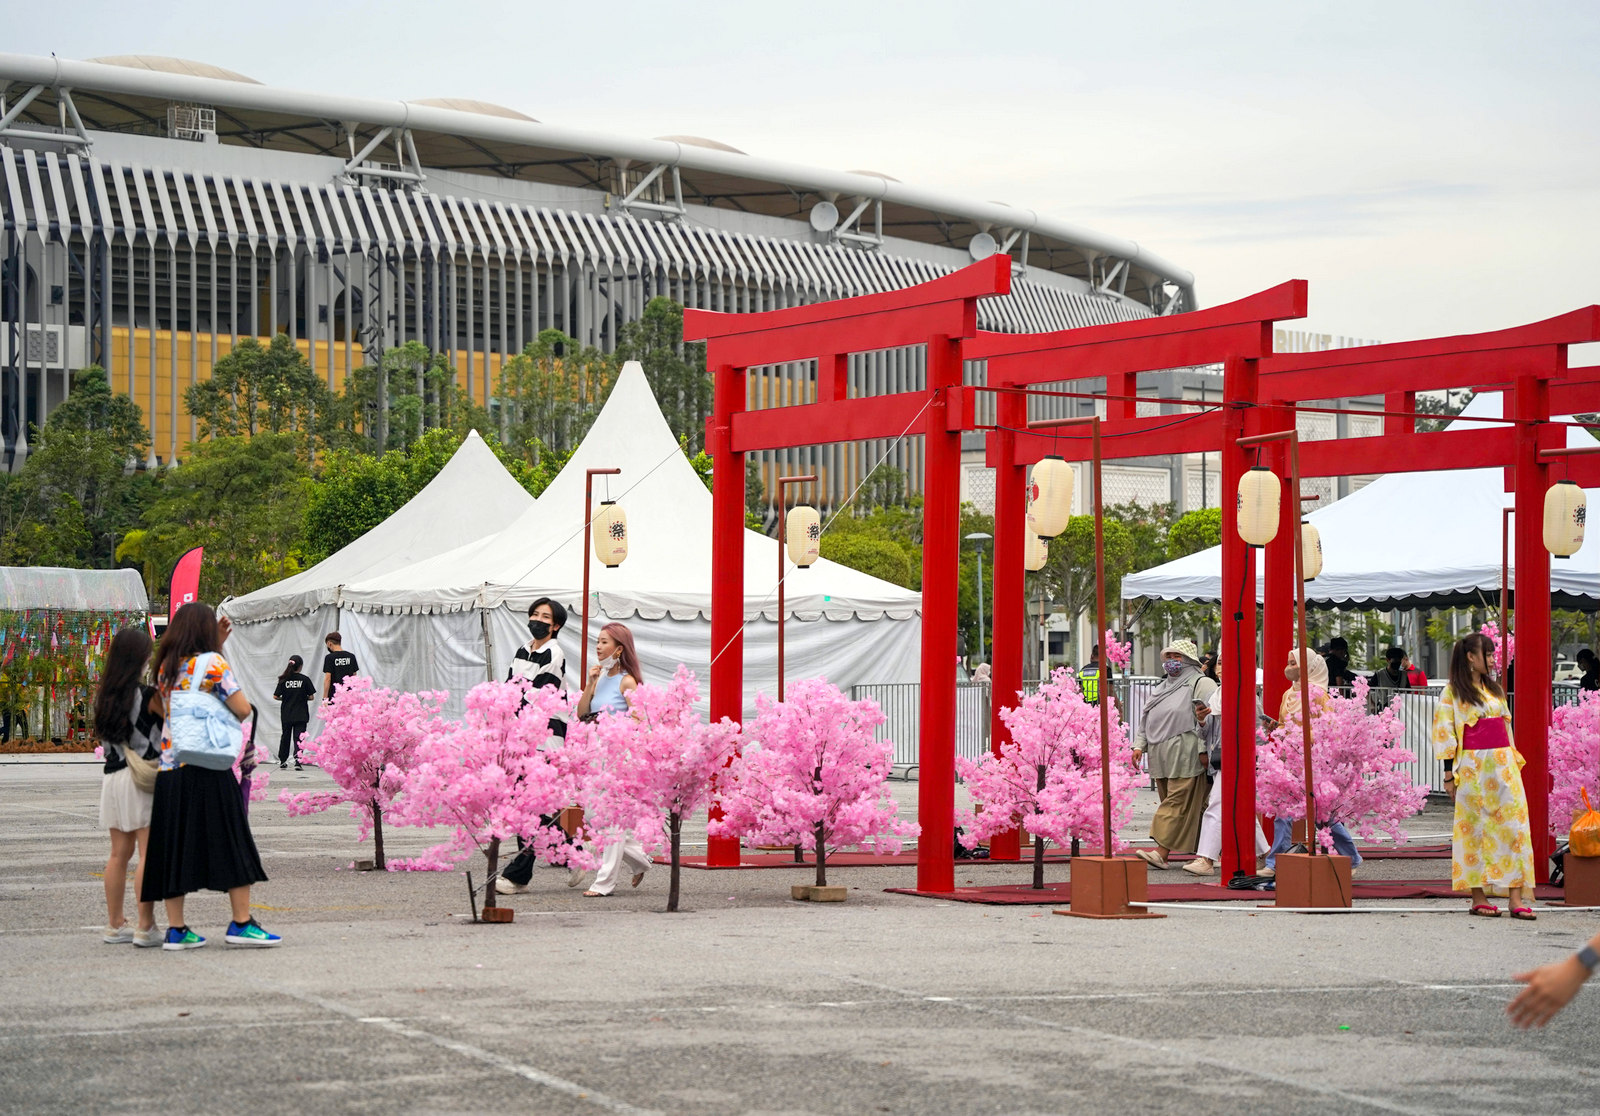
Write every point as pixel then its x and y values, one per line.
pixel 49 664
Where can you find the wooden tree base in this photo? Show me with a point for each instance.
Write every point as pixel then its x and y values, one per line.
pixel 813 894
pixel 1110 887
pixel 1313 881
pixel 498 914
pixel 1582 881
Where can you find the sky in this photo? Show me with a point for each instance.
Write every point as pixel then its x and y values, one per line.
pixel 1430 168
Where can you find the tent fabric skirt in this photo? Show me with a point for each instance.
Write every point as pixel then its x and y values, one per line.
pixel 1176 826
pixel 199 836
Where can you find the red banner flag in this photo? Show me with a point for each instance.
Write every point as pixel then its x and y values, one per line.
pixel 185 584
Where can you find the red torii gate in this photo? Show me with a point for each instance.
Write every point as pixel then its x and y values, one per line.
pixel 1260 392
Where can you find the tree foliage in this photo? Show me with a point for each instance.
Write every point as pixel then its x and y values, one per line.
pixel 549 394
pixel 409 392
pixel 676 369
pixel 268 389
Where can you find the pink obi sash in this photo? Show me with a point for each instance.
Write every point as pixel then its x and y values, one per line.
pixel 1487 733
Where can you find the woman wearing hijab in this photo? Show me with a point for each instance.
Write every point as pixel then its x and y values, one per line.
pixel 1169 735
pixel 1289 713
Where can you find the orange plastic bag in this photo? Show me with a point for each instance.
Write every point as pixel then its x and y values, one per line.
pixel 1585 837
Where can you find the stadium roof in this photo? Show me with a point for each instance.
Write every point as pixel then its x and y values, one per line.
pixel 131 93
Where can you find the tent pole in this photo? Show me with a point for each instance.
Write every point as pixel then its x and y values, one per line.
pixel 488 646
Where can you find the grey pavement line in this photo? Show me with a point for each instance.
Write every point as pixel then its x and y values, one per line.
pixel 1155 1047
pixel 174 1028
pixel 476 1053
pixel 47 810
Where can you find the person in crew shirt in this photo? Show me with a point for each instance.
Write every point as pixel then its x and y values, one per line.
pixel 543 664
pixel 294 692
pixel 337 665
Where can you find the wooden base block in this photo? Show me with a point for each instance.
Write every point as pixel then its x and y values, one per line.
pixel 1582 882
pixel 1313 881
pixel 1109 887
pixel 811 893
pixel 498 914
pixel 364 865
pixel 570 819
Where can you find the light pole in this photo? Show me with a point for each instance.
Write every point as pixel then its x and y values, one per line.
pixel 978 537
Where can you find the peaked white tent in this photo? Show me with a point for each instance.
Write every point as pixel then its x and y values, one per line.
pixel 472 497
pixel 843 624
pixel 1407 540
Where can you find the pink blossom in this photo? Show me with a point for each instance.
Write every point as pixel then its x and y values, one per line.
pixel 368 743
pixel 1356 761
pixel 812 774
pixel 1574 759
pixel 1055 740
pixel 259 776
pixel 644 771
pixel 1117 654
pixel 491 777
pixel 1505 651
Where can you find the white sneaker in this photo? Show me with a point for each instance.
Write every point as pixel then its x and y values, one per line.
pixel 575 876
pixel 117 935
pixel 503 886
pixel 148 939
pixel 1199 866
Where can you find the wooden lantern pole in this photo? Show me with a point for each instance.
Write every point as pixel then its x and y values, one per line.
pixel 588 530
pixel 783 543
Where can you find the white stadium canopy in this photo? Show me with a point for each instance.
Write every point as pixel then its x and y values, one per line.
pixel 1407 540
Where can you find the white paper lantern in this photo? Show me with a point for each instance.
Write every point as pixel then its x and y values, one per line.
pixel 1310 550
pixel 611 534
pixel 1052 500
pixel 1260 497
pixel 803 529
pixel 1565 510
pixel 1035 551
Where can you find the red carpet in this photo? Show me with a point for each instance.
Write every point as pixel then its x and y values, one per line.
pixel 750 859
pixel 1058 894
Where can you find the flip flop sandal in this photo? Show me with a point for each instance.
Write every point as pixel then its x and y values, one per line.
pixel 1487 910
pixel 1525 914
pixel 607 895
pixel 1151 859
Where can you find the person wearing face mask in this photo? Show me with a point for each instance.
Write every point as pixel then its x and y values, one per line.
pixel 611 680
pixel 1289 713
pixel 541 663
pixel 1169 734
pixel 1491 842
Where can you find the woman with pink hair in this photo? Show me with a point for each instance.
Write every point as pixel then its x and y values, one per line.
pixel 605 693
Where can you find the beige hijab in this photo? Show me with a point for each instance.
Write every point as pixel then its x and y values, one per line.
pixel 1316 675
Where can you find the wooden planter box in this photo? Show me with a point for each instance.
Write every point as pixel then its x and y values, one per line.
pixel 1582 882
pixel 1313 881
pixel 1110 887
pixel 498 914
pixel 814 894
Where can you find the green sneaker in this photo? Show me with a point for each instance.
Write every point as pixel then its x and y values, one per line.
pixel 181 937
pixel 250 934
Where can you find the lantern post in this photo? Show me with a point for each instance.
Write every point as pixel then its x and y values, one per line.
pixel 588 525
pixel 783 543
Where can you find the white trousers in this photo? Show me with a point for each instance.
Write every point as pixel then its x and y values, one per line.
pixel 614 858
pixel 1211 827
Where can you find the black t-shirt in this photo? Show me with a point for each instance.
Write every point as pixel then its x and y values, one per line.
pixel 294 691
pixel 338 665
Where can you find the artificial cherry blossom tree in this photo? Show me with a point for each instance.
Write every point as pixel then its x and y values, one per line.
pixel 1505 650
pixel 1574 758
pixel 1047 777
pixel 646 770
pixel 367 746
pixel 492 777
pixel 812 774
pixel 1356 768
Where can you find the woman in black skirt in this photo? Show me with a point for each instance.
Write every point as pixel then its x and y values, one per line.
pixel 199 838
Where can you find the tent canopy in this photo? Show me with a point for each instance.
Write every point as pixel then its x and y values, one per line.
pixel 668 569
pixel 471 497
pixel 1407 540
pixel 25 587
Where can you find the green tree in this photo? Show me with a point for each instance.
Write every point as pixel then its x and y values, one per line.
pixel 407 393
pixel 78 490
pixel 268 389
pixel 1069 575
pixel 676 369
pixel 549 394
pixel 241 498
pixel 356 491
pixel 1195 531
pixel 871 554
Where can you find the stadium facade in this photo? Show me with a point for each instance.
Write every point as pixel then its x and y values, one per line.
pixel 158 210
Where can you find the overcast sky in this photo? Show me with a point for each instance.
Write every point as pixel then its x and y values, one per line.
pixel 1429 167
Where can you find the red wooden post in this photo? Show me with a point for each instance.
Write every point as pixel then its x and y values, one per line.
pixel 1238 648
pixel 1009 586
pixel 727 574
pixel 1528 402
pixel 941 539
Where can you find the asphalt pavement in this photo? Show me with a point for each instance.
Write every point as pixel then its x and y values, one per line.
pixel 385 998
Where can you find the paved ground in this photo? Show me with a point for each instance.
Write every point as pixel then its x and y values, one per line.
pixel 383 999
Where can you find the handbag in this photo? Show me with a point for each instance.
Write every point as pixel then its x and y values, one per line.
pixel 143 771
pixel 1584 839
pixel 204 730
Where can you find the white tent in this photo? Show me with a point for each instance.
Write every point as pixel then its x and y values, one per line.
pixel 472 497
pixel 1407 540
pixel 843 625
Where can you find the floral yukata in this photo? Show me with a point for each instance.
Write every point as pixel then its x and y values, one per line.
pixel 1491 844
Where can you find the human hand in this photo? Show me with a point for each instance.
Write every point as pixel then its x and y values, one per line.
pixel 1549 989
pixel 1450 789
pixel 594 676
pixel 224 626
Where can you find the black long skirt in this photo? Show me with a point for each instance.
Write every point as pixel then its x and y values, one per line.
pixel 199 836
